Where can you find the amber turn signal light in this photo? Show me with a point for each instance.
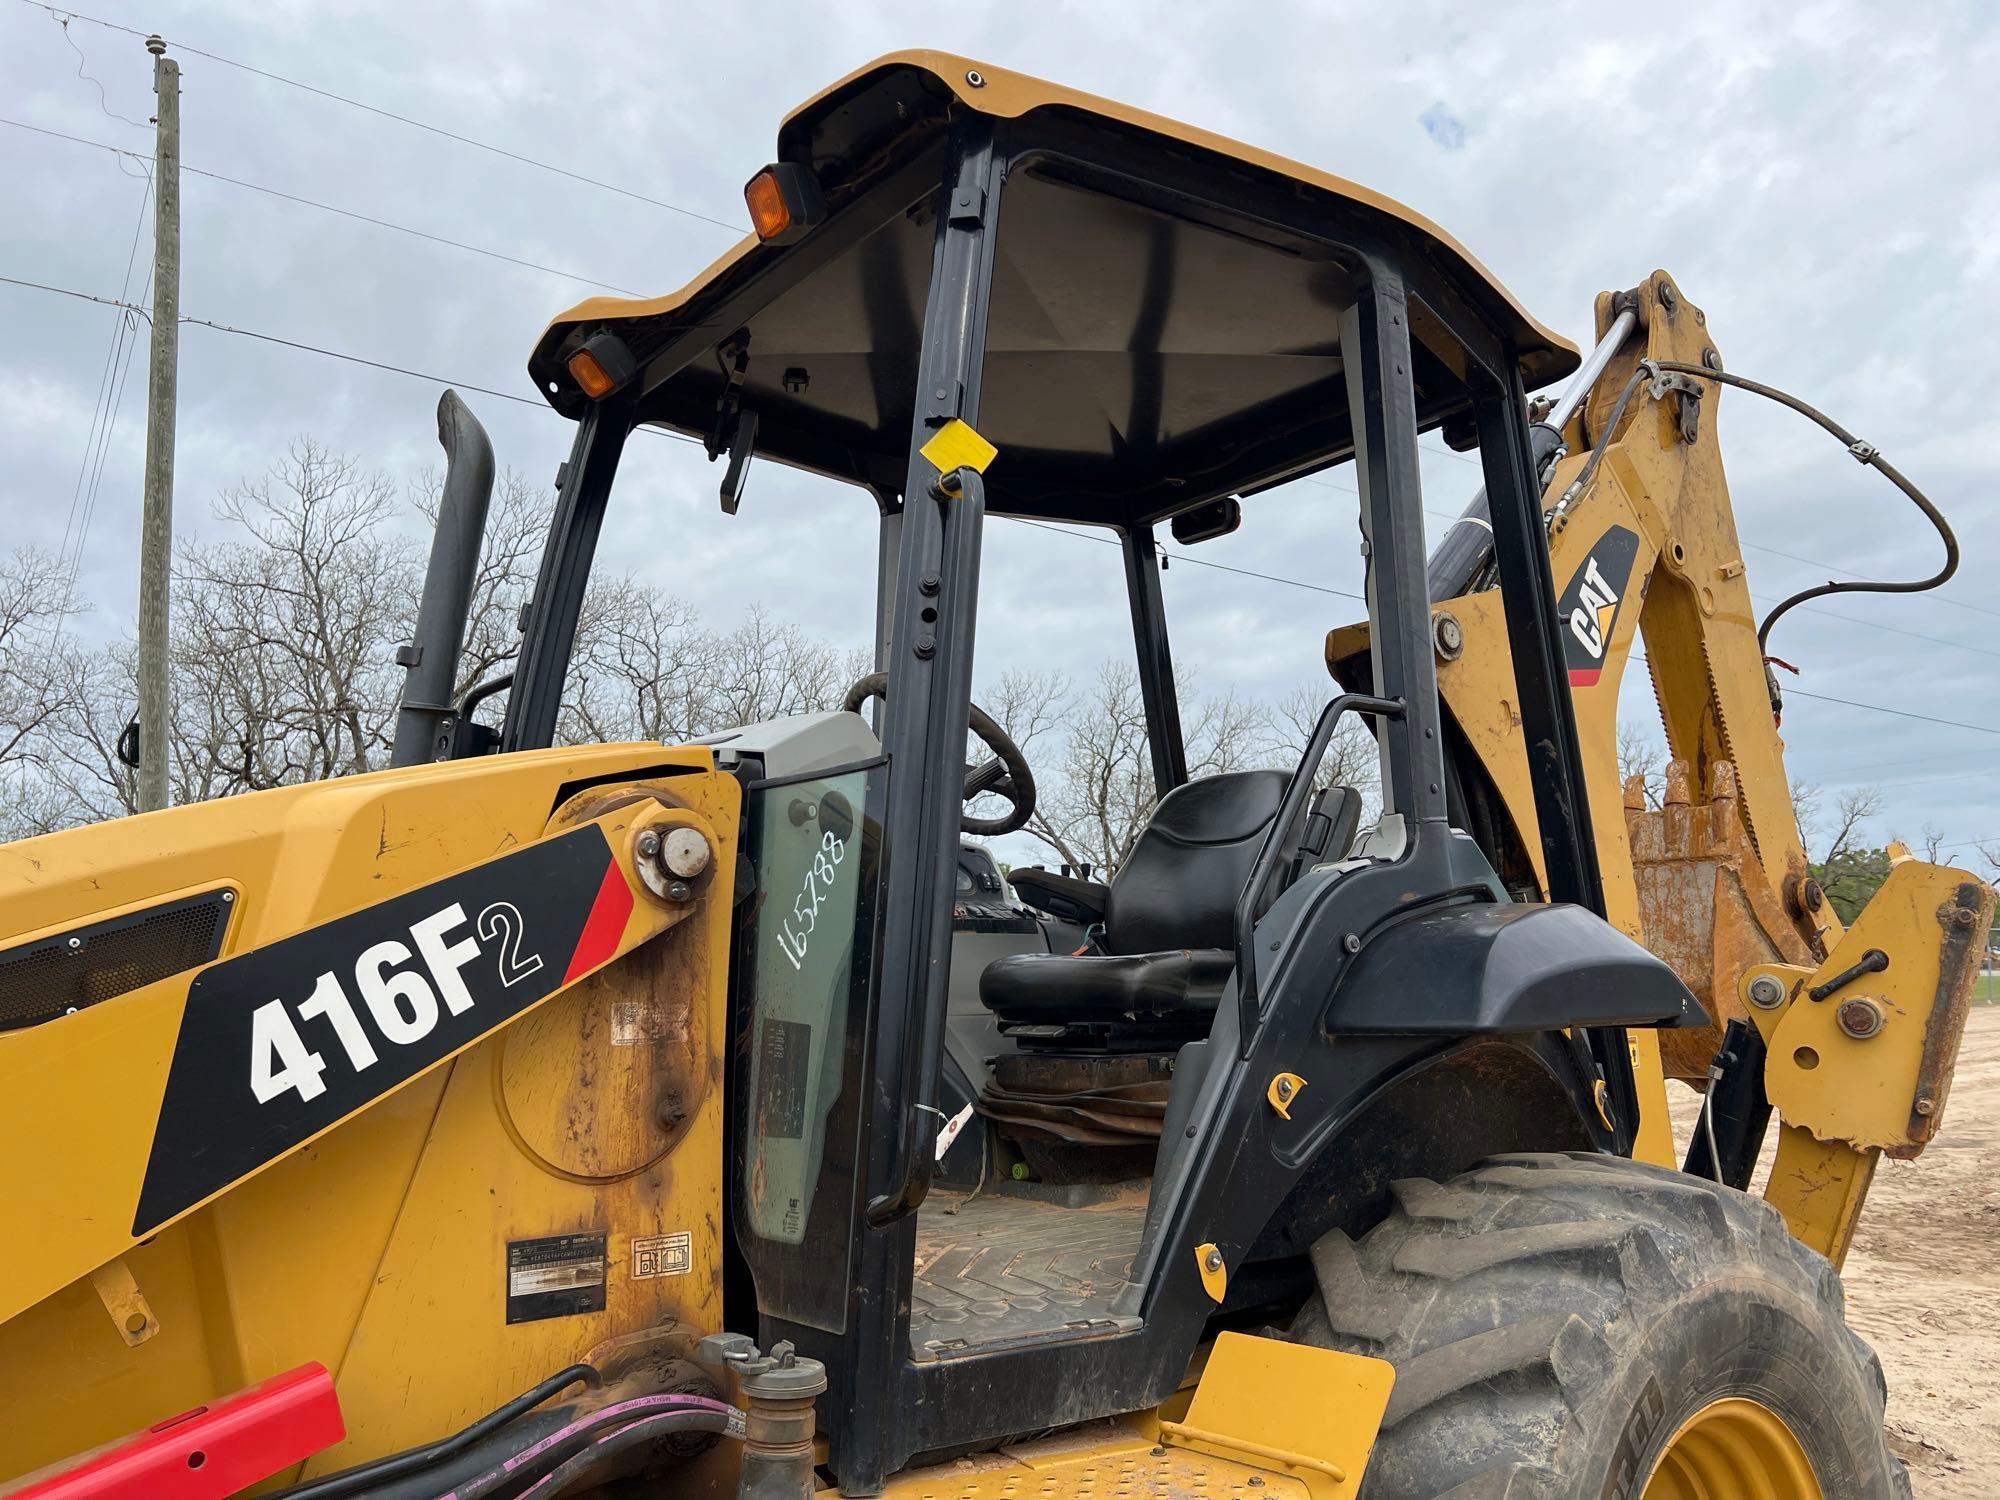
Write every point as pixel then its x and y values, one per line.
pixel 590 374
pixel 784 202
pixel 601 366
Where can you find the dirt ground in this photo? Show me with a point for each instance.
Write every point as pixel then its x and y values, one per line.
pixel 1923 1281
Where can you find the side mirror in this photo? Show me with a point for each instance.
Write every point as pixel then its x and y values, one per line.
pixel 742 447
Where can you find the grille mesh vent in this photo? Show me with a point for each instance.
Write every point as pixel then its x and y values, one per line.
pixel 76 969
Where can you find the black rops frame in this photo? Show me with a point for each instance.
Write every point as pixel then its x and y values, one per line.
pixel 1157 690
pixel 1229 1177
pixel 886 1407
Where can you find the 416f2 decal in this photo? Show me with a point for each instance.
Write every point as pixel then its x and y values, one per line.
pixel 282 1042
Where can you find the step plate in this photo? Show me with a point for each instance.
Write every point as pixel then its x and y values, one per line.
pixel 1100 1461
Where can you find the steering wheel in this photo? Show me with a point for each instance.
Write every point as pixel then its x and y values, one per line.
pixel 1006 775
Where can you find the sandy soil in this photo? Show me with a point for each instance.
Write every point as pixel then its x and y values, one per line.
pixel 1923 1281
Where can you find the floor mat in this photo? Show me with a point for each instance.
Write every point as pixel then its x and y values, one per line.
pixel 1005 1270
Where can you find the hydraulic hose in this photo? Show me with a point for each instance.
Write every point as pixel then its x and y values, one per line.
pixel 396 1465
pixel 604 1449
pixel 550 1452
pixel 1864 454
pixel 1589 470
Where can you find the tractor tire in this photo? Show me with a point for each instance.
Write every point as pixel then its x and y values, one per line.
pixel 1555 1320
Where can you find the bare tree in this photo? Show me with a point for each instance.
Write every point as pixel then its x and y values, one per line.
pixel 292 632
pixel 1852 808
pixel 517 524
pixel 765 670
pixel 37 683
pixel 641 669
pixel 1353 758
pixel 1640 754
pixel 1095 770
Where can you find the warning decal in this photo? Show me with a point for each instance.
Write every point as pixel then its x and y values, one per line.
pixel 663 1255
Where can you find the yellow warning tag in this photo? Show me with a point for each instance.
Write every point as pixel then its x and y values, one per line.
pixel 958 446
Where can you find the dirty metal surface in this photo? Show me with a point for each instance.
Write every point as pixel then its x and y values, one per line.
pixel 1705 903
pixel 1098 1461
pixel 1005 1270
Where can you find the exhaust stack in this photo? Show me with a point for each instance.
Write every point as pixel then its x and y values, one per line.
pixel 425 716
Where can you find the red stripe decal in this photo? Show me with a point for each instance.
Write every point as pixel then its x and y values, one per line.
pixel 605 925
pixel 1585 676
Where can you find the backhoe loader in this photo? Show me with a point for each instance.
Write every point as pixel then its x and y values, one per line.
pixel 531 1119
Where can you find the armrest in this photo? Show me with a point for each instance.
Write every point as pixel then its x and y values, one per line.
pixel 1063 896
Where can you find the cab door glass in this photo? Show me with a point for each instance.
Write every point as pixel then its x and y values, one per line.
pixel 807 941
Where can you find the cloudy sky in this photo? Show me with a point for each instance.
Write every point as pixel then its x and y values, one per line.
pixel 1822 185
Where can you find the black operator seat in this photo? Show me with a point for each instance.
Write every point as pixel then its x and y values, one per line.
pixel 1169 929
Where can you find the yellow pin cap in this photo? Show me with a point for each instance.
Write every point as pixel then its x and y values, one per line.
pixel 958 446
pixel 1214 1273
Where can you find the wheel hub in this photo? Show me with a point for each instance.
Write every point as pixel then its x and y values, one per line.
pixel 1733 1447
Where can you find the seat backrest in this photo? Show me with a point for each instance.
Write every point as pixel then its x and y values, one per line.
pixel 1178 887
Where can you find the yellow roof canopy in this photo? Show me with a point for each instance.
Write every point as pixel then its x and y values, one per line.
pixel 1164 318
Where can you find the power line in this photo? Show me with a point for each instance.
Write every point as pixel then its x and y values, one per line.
pixel 1040 525
pixel 105 379
pixel 64 16
pixel 63 291
pixel 345 213
pixel 102 102
pixel 1901 713
pixel 1941 598
pixel 373 364
pixel 387 114
pixel 1915 635
pixel 1199 562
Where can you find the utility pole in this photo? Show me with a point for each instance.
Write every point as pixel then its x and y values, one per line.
pixel 156 530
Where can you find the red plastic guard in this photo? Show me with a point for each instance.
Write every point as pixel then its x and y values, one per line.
pixel 211 1451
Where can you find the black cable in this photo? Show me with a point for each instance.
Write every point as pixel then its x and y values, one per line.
pixel 1865 454
pixel 396 1465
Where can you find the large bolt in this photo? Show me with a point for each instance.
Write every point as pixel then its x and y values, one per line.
pixel 1214 1260
pixel 649 844
pixel 684 852
pixel 1766 993
pixel 1860 1018
pixel 1450 636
